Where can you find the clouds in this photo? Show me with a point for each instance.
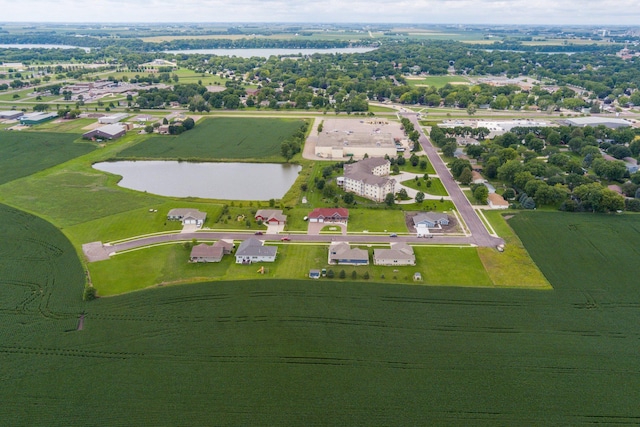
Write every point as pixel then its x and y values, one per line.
pixel 543 12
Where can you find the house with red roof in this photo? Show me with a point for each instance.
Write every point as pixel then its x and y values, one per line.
pixel 329 215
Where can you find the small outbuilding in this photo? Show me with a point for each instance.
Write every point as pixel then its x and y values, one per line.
pixel 314 274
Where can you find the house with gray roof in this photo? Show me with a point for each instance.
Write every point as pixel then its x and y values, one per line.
pixel 342 253
pixel 253 250
pixel 399 254
pixel 426 220
pixel 187 216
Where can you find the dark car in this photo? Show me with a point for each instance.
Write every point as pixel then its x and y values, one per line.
pixel 259 233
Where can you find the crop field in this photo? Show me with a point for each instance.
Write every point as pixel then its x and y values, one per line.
pixel 24 153
pixel 220 139
pixel 274 352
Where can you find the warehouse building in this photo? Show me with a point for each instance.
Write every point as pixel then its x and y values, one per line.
pixel 114 118
pixel 106 132
pixel 10 115
pixel 610 122
pixel 36 118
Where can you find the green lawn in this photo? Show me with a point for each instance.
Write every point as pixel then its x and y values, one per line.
pixel 27 152
pixel 168 265
pixel 221 138
pixel 379 220
pixel 436 81
pixel 435 188
pixel 72 126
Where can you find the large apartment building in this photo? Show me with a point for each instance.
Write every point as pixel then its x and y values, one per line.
pixel 369 178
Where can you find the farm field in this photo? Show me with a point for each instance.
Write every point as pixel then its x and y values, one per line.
pixel 337 353
pixel 220 138
pixel 25 153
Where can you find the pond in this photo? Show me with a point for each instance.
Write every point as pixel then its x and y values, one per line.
pixel 227 181
pixel 267 52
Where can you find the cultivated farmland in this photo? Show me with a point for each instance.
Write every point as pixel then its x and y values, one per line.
pixel 25 153
pixel 220 139
pixel 275 352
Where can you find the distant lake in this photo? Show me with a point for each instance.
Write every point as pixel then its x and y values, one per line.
pixel 248 53
pixel 42 46
pixel 229 181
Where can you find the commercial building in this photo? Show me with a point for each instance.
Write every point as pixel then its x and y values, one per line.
pixel 31 119
pixel 368 178
pixel 10 115
pixel 343 138
pixel 114 131
pixel 610 122
pixel 114 118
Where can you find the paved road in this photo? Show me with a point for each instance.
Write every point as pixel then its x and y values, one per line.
pixel 479 234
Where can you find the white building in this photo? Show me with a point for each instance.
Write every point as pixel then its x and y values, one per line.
pixel 368 178
pixel 114 118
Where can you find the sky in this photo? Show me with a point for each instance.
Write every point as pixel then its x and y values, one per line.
pixel 547 12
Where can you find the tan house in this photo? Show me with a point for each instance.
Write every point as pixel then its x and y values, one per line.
pixel 206 253
pixel 271 216
pixel 399 254
pixel 497 202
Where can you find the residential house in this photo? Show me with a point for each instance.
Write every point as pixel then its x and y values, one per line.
pixel 271 216
pixel 342 253
pixel 227 245
pixel 399 254
pixel 206 253
pixel 253 250
pixel 187 216
pixel 426 220
pixel 477 178
pixel 329 215
pixel 496 201
pixel 369 178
